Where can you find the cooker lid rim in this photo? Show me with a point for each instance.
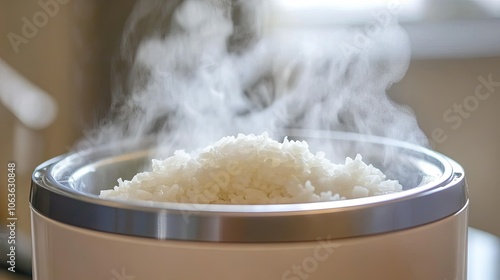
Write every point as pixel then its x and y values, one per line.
pixel 202 222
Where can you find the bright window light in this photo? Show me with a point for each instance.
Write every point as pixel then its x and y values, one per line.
pixel 337 4
pixel 320 12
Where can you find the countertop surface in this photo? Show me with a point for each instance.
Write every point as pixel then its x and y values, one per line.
pixel 484 255
pixel 483 258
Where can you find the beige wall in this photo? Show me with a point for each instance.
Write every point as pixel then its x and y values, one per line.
pixel 432 87
pixel 46 60
pixel 69 58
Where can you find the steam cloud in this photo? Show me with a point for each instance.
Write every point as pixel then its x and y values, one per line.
pixel 196 71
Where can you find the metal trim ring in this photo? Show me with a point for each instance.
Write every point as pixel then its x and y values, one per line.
pixel 56 200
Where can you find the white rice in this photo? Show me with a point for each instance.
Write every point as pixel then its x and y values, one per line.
pixel 250 169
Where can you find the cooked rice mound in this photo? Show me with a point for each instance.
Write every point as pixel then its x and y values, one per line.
pixel 253 169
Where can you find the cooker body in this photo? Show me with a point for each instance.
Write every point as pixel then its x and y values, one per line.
pixel 418 233
pixel 433 251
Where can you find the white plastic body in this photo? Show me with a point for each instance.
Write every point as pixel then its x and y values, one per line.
pixel 433 251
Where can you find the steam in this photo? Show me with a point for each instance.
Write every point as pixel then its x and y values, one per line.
pixel 200 70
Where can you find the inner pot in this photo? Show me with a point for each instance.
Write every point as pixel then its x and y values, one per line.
pixel 427 220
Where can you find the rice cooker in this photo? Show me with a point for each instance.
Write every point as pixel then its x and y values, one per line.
pixel 419 233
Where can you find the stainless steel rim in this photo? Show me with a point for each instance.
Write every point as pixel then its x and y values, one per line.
pixel 55 199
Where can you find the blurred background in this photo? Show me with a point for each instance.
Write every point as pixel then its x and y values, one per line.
pixel 55 83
